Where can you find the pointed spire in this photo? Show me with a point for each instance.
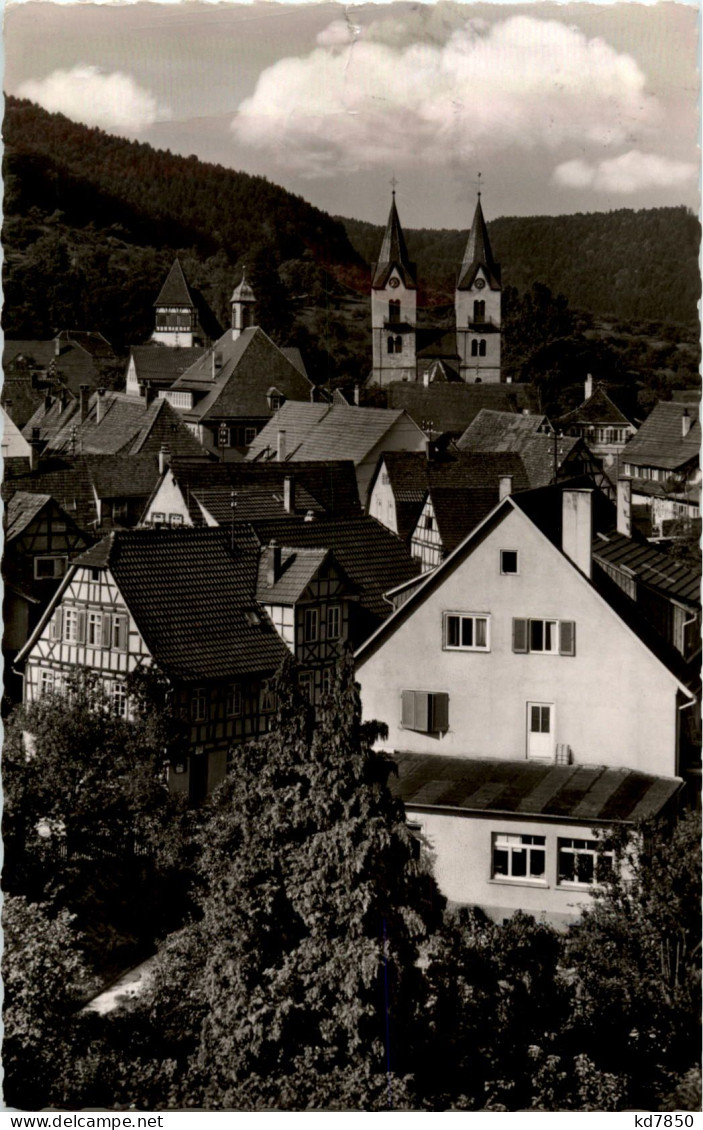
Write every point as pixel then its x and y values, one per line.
pixel 243 292
pixel 478 254
pixel 394 253
pixel 175 291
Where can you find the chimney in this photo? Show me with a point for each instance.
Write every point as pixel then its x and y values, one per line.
pixel 85 401
pixel 149 394
pixel 47 403
pixel 57 347
pixel 100 405
pixel 34 449
pixel 588 387
pixel 63 399
pixel 685 423
pixel 289 494
pixel 357 395
pixel 577 527
pixel 216 363
pixel 281 452
pixel 624 504
pixel 164 458
pixel 273 569
pixel 428 449
pixel 505 486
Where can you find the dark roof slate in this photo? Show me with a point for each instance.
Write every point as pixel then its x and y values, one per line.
pixel 478 254
pixel 598 409
pixel 193 598
pixel 580 793
pixel 393 254
pixel 163 364
pixel 21 509
pixel 502 431
pixel 644 561
pixel 323 431
pixel 451 407
pixel 298 568
pixel 458 510
pixel 175 290
pixel 660 441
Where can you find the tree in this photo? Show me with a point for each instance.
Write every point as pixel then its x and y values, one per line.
pixel 635 956
pixel 44 977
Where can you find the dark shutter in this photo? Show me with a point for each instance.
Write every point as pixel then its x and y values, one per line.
pixel 55 625
pixel 407 709
pixel 567 637
pixel 520 635
pixel 121 625
pixel 440 713
pixel 422 711
pixel 81 627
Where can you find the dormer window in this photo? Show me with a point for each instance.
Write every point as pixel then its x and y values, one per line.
pixel 275 399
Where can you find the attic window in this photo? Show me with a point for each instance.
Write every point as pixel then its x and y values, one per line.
pixel 252 617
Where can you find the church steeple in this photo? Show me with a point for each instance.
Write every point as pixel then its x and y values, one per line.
pixel 242 302
pixel 477 306
pixel 394 253
pixel 176 311
pixel 393 307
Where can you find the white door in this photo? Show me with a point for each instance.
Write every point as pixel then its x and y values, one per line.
pixel 540 730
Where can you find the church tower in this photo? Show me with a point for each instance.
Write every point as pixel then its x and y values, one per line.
pixel 393 308
pixel 242 302
pixel 477 304
pixel 176 322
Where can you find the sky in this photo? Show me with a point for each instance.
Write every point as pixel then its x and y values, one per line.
pixel 561 108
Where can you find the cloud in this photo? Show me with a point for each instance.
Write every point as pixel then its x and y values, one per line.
pixel 628 173
pixel 390 94
pixel 110 100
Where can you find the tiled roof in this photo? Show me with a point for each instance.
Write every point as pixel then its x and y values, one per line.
pixel 393 253
pixel 123 476
pixel 175 291
pixel 126 425
pixel 193 599
pixel 452 407
pixel 598 409
pixel 331 485
pixel 163 364
pixel 501 431
pixel 478 253
pixel 295 357
pixel 91 340
pixel 323 431
pixel 458 510
pixel 660 441
pixel 298 568
pixel 20 398
pixel 644 561
pixel 39 354
pixel 234 378
pixel 373 558
pixel 682 492
pixel 21 509
pixel 586 793
pixel 251 500
pixel 66 480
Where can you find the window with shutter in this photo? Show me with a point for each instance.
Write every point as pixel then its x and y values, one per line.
pixel 424 711
pixel 107 630
pixel 520 635
pixel 55 625
pixel 440 713
pixel 407 709
pixel 567 637
pixel 80 629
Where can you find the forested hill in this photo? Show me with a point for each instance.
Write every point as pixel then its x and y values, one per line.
pixel 622 264
pixel 107 214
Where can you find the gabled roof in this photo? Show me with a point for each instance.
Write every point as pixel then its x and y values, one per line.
pixel 597 409
pixel 175 290
pixel 123 476
pixel 298 568
pixel 126 425
pixel 393 254
pixel 478 254
pixel 660 441
pixel 373 558
pixel 541 508
pixel 163 364
pixel 39 354
pixel 193 598
pixel 452 407
pixel 324 431
pixel 66 480
pixel 92 341
pixel 234 377
pixel 586 793
pixel 458 510
pixel 20 510
pixel 643 561
pixel 14 445
pixel 329 486
pixel 248 501
pixel 501 431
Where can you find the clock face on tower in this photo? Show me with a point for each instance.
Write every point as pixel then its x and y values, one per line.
pixel 394 283
pixel 479 284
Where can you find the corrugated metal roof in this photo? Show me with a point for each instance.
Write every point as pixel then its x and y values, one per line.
pixel 567 792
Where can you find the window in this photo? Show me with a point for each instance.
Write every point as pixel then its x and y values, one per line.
pixel 474 348
pixel 579 862
pixel 508 561
pixel 482 349
pixel 119 699
pixel 249 435
pixel 394 310
pixel 311 619
pixel 518 857
pixel 175 519
pixel 326 684
pixel 390 345
pixel 479 310
pixel 234 700
pixel 466 631
pixel 550 637
pixel 306 682
pixel 94 633
pixel 398 344
pixel 334 622
pixel 119 633
pixel 198 705
pixel 424 711
pixel 49 568
pixel 267 698
pixel 71 625
pixel 429 521
pixel 46 682
pixel 158 518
